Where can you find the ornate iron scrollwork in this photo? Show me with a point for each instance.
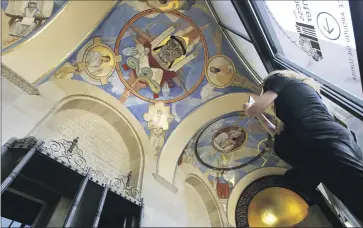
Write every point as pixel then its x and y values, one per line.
pixel 66 150
pixel 98 176
pixel 27 142
pixel 69 152
pixel 123 184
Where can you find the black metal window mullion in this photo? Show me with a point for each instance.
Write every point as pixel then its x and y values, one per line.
pixel 251 23
pixel 235 32
pixel 11 223
pixel 255 76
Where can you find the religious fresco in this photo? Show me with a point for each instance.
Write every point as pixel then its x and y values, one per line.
pixel 169 5
pixel 95 63
pixel 228 148
pixel 155 65
pixel 161 59
pixel 220 71
pixel 23 18
pixel 228 139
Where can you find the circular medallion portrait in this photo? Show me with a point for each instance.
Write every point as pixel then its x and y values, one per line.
pixel 231 142
pixel 220 71
pixel 230 138
pixel 161 62
pixel 98 61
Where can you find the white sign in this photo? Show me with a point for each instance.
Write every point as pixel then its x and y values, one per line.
pixel 324 31
pixel 331 19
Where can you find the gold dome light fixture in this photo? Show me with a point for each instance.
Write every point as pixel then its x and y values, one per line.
pixel 276 207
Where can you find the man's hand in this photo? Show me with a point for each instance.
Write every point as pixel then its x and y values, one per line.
pixel 246 106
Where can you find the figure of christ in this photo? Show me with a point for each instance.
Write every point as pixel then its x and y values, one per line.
pixel 160 59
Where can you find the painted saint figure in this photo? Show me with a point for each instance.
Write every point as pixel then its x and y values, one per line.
pixel 222 186
pixel 222 70
pixel 95 61
pixel 22 27
pixel 227 141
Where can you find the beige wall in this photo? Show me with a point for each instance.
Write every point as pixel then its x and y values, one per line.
pixel 197 213
pixel 103 147
pixel 188 173
pixel 17 118
pixel 23 113
pixel 56 41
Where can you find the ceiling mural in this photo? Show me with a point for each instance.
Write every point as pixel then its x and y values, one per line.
pixel 23 18
pixel 161 59
pixel 228 148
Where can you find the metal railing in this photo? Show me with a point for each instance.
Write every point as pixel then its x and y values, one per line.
pixel 338 208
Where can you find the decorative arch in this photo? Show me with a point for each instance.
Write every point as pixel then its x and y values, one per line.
pixel 200 183
pixel 179 139
pixel 206 192
pixel 71 94
pixel 243 184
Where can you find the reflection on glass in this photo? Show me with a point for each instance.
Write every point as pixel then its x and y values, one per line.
pixel 318 36
pixel 5 222
pixel 16 224
pixel 11 223
pixel 228 16
pixel 250 54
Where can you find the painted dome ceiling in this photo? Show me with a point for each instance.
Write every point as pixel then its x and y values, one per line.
pixel 228 148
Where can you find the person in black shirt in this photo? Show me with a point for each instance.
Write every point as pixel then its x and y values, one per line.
pixel 317 147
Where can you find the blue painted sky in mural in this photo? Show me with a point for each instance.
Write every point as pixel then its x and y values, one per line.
pixel 109 30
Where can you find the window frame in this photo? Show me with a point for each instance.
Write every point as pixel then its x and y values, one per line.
pixel 224 28
pixel 265 47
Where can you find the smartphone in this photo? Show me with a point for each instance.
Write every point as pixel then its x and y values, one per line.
pixel 251 100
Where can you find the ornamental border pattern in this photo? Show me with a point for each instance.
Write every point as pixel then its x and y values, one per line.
pixel 20 82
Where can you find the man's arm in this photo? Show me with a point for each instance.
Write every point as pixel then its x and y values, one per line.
pixel 269 127
pixel 261 104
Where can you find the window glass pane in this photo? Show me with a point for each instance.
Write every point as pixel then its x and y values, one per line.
pixel 16 224
pixel 5 222
pixel 317 36
pixel 354 124
pixel 249 52
pixel 228 16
